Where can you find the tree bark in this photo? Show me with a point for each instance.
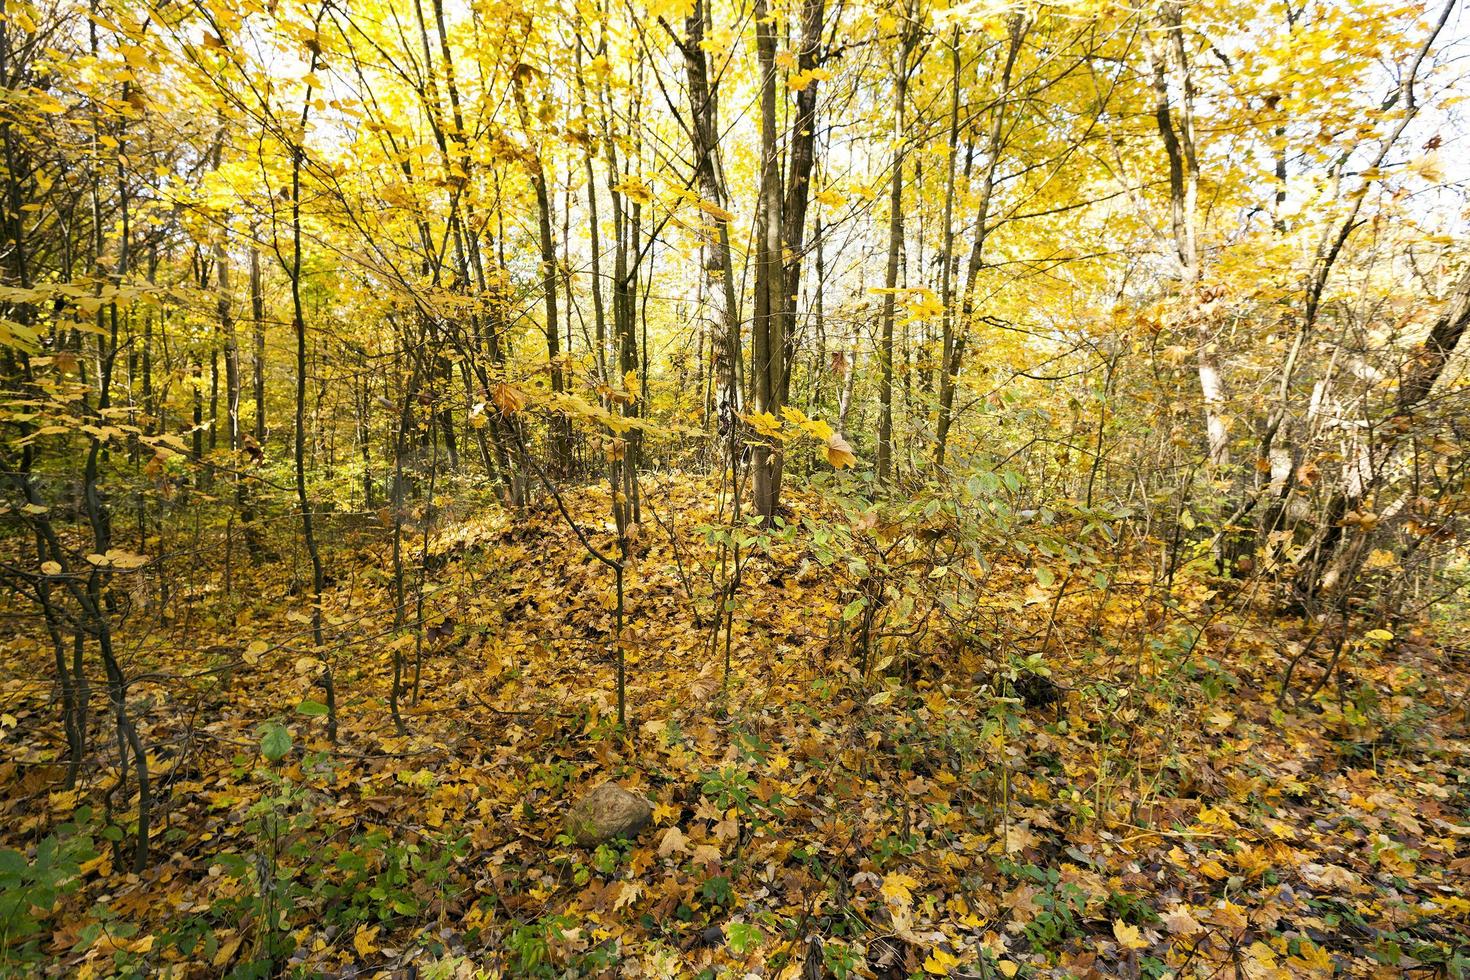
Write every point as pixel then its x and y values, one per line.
pixel 906 44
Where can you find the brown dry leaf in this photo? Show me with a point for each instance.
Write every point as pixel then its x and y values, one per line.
pixel 1181 923
pixel 673 841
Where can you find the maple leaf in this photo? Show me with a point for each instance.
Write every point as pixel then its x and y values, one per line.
pixel 715 211
pixel 940 963
pixel 896 888
pixel 672 841
pixel 628 893
pixel 364 941
pixel 508 398
pixel 839 453
pixel 635 189
pixel 765 424
pixel 1180 923
pixel 1129 937
pixel 831 197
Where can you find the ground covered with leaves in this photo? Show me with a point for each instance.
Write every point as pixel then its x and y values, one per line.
pixel 1083 772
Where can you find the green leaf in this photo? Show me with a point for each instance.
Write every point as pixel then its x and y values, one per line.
pixel 1044 576
pixel 312 709
pixel 275 742
pixel 743 937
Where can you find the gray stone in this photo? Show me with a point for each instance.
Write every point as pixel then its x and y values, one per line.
pixel 608 811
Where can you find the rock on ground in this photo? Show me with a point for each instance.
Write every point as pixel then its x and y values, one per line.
pixel 607 812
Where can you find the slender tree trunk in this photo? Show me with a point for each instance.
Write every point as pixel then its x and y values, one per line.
pixel 1176 128
pixel 995 143
pixel 561 442
pixel 719 272
pixel 947 251
pixel 895 247
pixel 298 325
pixel 257 316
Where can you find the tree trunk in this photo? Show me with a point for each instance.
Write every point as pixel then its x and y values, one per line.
pixel 719 273
pixel 1176 128
pixel 767 342
pixel 995 142
pixel 895 246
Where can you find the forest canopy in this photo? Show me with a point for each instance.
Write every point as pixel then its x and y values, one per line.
pixel 734 488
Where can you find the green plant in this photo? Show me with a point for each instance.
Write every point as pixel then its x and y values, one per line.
pixel 32 884
pixel 1060 903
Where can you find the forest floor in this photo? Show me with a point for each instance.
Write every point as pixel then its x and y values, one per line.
pixel 1150 806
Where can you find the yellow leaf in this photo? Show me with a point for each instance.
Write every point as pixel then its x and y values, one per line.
pixel 799 80
pixel 839 453
pixel 1213 869
pixel 1008 968
pixel 924 305
pixel 765 424
pixel 672 11
pixel 1379 558
pixel 634 189
pixel 831 197
pixel 1262 955
pixel 896 888
pixel 628 894
pixel 125 559
pixel 1128 936
pixel 508 398
pixel 940 963
pixel 1311 959
pixel 715 211
pixel 363 942
pixel 226 952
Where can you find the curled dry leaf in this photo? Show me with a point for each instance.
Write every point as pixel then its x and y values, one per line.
pixel 839 453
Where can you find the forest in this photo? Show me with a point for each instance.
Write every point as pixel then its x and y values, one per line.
pixel 734 488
